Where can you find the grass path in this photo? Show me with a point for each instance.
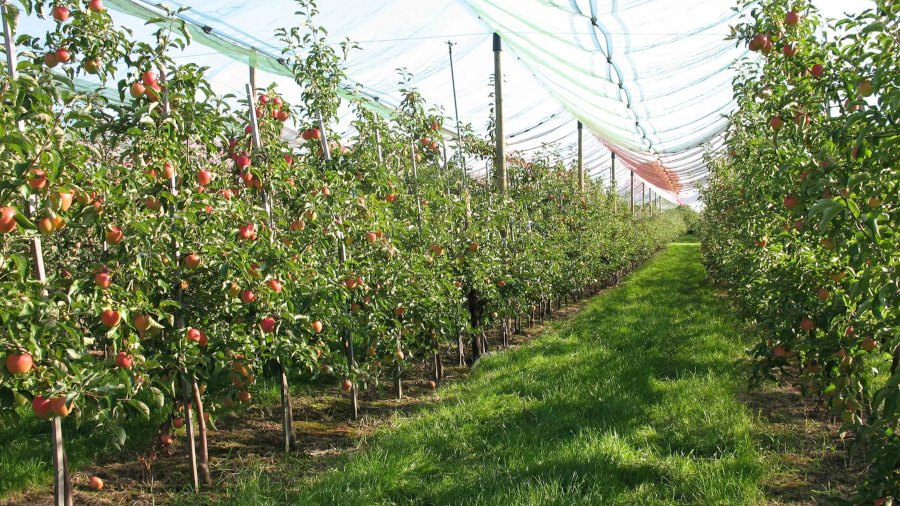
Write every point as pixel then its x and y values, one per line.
pixel 632 401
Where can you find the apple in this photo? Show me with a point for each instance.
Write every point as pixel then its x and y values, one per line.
pixel 817 70
pixel 138 90
pixel 314 134
pixel 168 170
pixel 204 340
pixel 110 318
pixel 778 352
pixel 869 344
pixel 399 355
pixel 50 60
pixel 63 55
pixel 178 422
pixel 103 280
pixel 59 406
pixel 435 126
pixel 399 311
pixel 247 232
pixel 193 334
pixel 350 283
pixel 41 406
pixel 437 250
pixel 192 261
pixel 473 246
pixel 278 101
pixel 204 177
pixel 316 326
pixel 166 440
pixel 807 324
pixel 149 78
pixel 789 50
pixel 776 123
pixel 153 92
pixel 152 203
pixel 758 42
pixel 792 18
pixel 142 322
pixel 61 13
pixel 114 235
pixel 247 296
pixel 828 243
pixel 274 285
pixel 91 66
pixel 96 6
pixel 823 294
pixel 346 385
pixel 19 363
pixel 61 201
pixel 371 237
pixel 244 396
pixel 45 226
pixel 282 116
pixel 37 179
pixel 124 360
pixel 791 201
pixel 8 219
pixel 242 161
pixel 391 197
pixel 268 324
pixel 864 87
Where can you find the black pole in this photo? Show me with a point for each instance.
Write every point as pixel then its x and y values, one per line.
pixel 459 148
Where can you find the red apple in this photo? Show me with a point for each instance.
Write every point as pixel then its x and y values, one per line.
pixel 50 60
pixel 178 422
pixel 8 219
pixel 124 360
pixel 791 201
pixel 192 261
pixel 91 66
pixel 817 70
pixel 96 6
pixel 114 235
pixel 204 177
pixel 19 363
pixel 37 179
pixel 103 280
pixel 244 396
pixel 61 13
pixel 758 42
pixel 268 324
pixel 247 232
pixel 149 78
pixel 45 226
pixel 63 55
pixel 142 322
pixel 193 335
pixel 152 203
pixel 864 87
pixel 316 326
pixel 242 161
pixel 776 123
pixel 247 296
pixel 792 18
pixel 110 318
pixel 41 406
pixel 869 344
pixel 789 50
pixel 346 385
pixel 138 90
pixel 807 324
pixel 274 285
pixel 59 406
pixel 166 440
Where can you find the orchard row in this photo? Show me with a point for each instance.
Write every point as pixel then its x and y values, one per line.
pixel 161 251
pixel 803 216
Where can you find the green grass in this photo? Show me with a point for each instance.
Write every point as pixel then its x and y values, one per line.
pixel 632 401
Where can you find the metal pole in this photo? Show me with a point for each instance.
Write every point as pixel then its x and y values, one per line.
pixel 614 190
pixel 62 486
pixel 459 141
pixel 500 150
pixel 378 144
pixel 580 157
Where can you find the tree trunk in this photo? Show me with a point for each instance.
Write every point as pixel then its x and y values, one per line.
pixel 287 412
pixel 191 441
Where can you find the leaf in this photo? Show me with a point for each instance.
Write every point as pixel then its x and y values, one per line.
pixel 158 398
pixel 140 407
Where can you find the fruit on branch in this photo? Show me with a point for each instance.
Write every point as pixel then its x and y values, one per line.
pixel 178 422
pixel 204 177
pixel 37 179
pixel 274 285
pixel 91 66
pixel 142 322
pixel 817 70
pixel 247 296
pixel 96 6
pixel 124 360
pixel 110 318
pixel 137 90
pixel 758 42
pixel 192 261
pixel 776 123
pixel 62 55
pixel 792 18
pixel 61 13
pixel 244 396
pixel 371 237
pixel 268 324
pixel 45 226
pixel 807 324
pixel 114 235
pixel 864 87
pixel 791 201
pixel 61 201
pixel 868 344
pixel 50 60
pixel 59 406
pixel 103 280
pixel 166 440
pixel 19 363
pixel 346 385
pixel 149 78
pixel 789 50
pixel 316 326
pixel 248 232
pixel 40 405
pixel 823 294
pixel 8 219
pixel 193 335
pixel 168 170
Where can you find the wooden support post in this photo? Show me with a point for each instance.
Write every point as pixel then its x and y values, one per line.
pixel 189 425
pixel 580 157
pixel 500 149
pixel 632 193
pixel 614 190
pixel 201 425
